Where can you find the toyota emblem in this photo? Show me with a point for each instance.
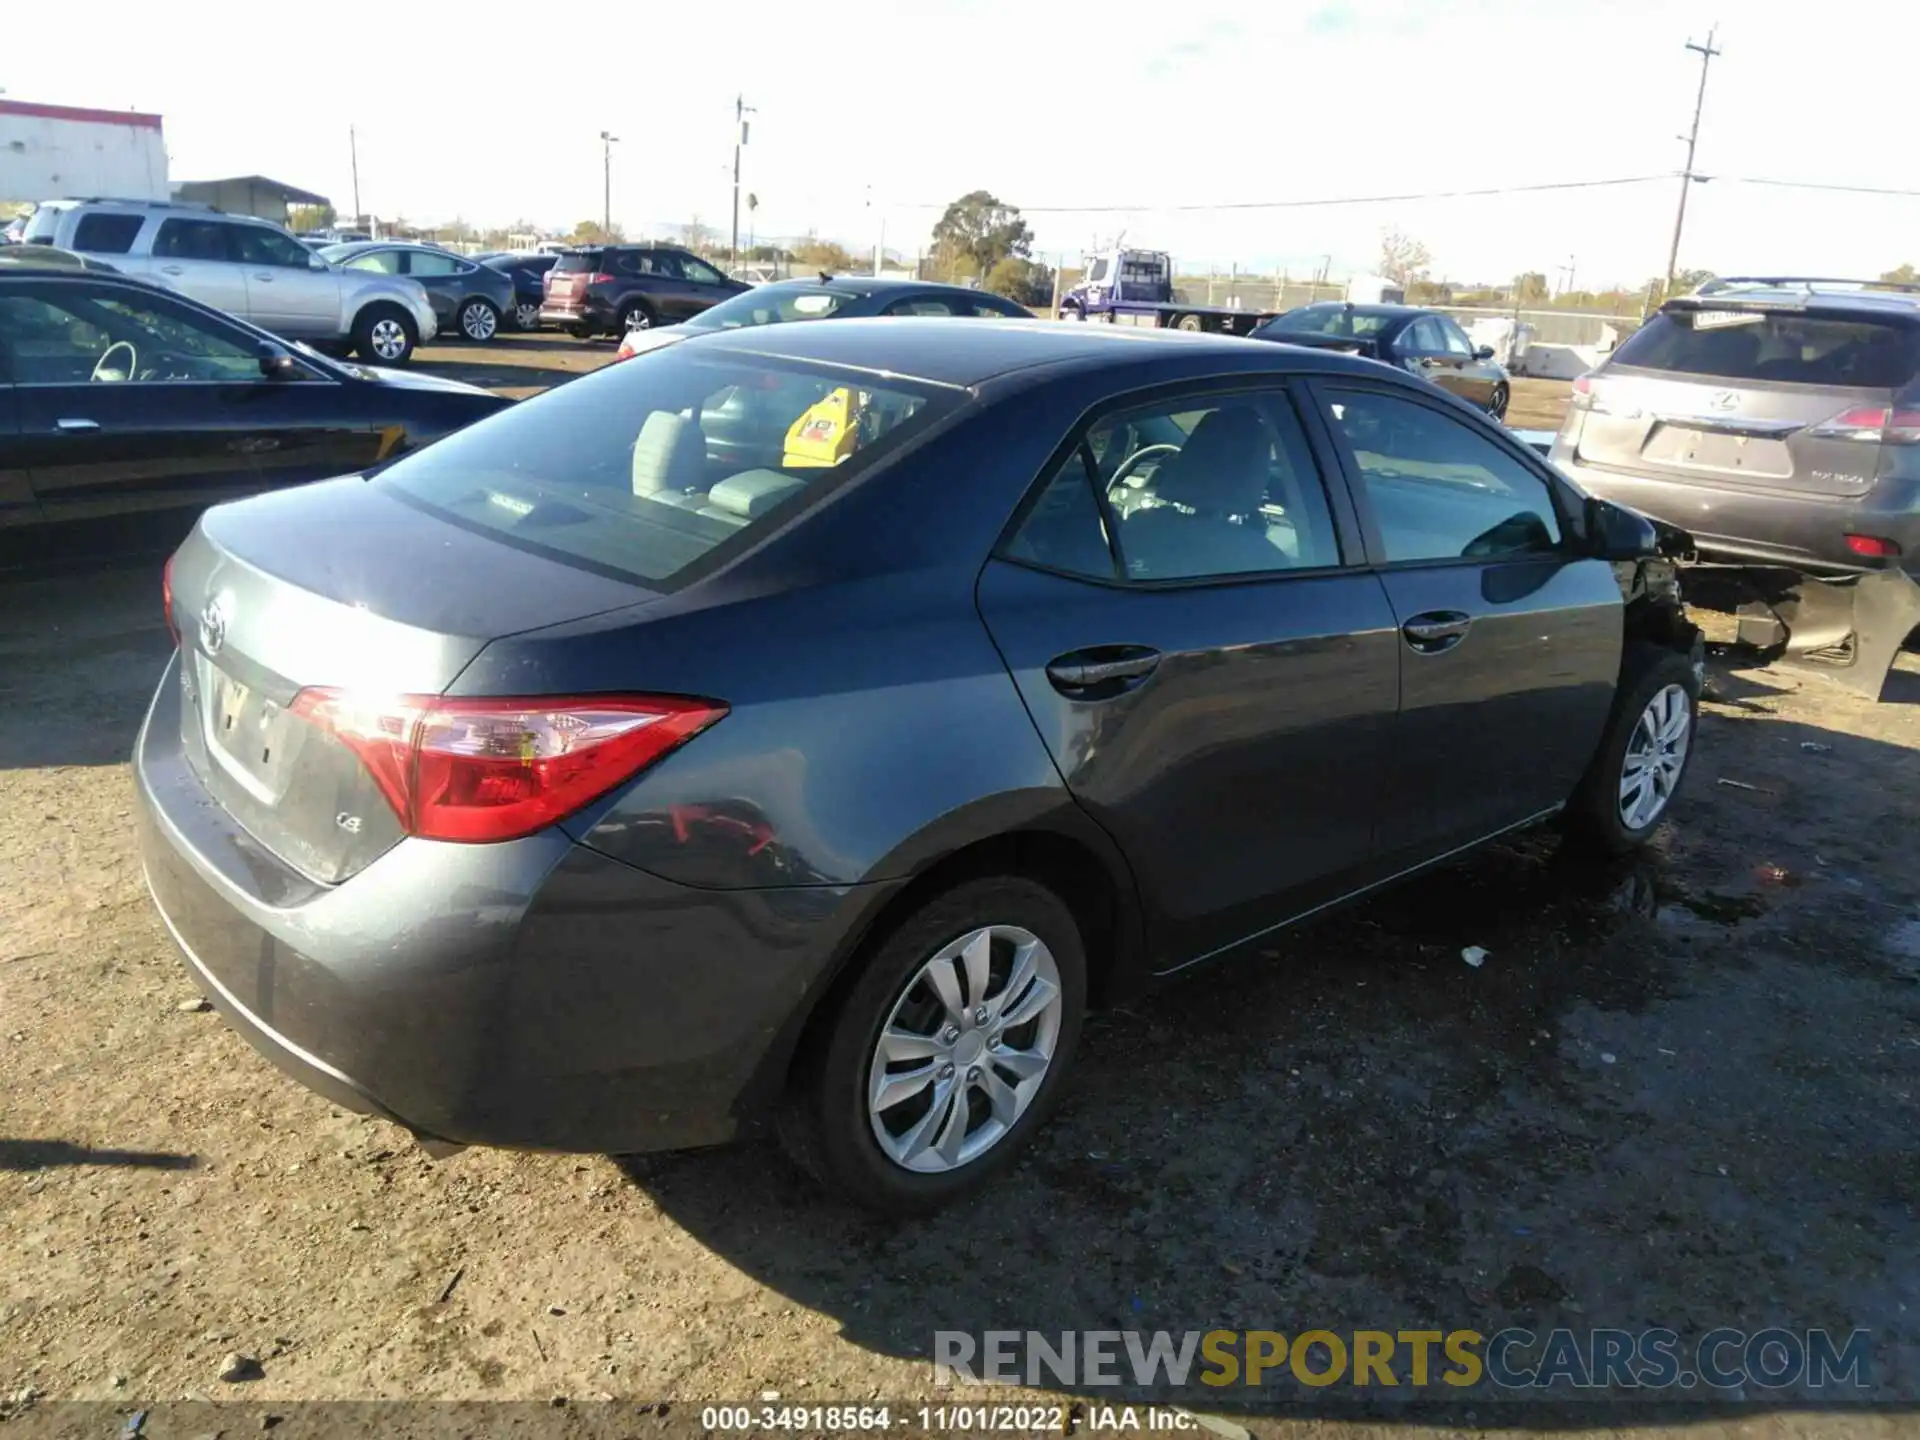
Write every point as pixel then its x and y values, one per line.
pixel 1725 400
pixel 213 625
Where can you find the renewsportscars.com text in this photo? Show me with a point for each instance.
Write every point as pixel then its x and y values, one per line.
pixel 1721 1360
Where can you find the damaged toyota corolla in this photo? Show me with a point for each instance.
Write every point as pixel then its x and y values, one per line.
pixel 809 726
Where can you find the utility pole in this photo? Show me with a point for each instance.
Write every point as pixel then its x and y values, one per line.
pixel 740 112
pixel 1692 137
pixel 353 146
pixel 607 141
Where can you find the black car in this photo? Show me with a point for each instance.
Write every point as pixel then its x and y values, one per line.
pixel 610 289
pixel 119 398
pixel 1422 342
pixel 528 271
pixel 814 721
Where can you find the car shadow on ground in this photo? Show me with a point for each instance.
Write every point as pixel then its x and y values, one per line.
pixel 1677 1092
pixel 46 1154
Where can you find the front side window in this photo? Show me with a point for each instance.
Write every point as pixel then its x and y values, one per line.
pixel 260 246
pixel 1422 337
pixel 1455 338
pixel 104 234
pixel 1195 490
pixel 644 468
pixel 192 240
pixel 698 270
pixel 70 335
pixel 1438 490
pixel 1098 272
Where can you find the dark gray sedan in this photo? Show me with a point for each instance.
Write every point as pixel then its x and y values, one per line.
pixel 469 299
pixel 1421 342
pixel 811 722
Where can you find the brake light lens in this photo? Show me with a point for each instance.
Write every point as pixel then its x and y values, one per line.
pixel 166 600
pixel 480 771
pixel 1874 424
pixel 1874 547
pixel 1582 392
pixel 599 277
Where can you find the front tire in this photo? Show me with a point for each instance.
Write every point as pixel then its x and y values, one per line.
pixel 1188 323
pixel 385 335
pixel 946 1053
pixel 1072 313
pixel 1644 754
pixel 479 321
pixel 1497 402
pixel 637 315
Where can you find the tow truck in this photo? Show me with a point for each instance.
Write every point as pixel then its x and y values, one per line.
pixel 1135 287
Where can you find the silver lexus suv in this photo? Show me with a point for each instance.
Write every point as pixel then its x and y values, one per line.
pixel 247 267
pixel 1776 419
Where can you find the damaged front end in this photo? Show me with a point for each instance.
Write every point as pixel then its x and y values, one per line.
pixel 1650 584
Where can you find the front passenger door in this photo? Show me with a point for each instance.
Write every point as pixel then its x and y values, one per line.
pixel 1509 638
pixel 287 294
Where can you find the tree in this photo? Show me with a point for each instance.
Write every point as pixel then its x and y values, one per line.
pixel 1429 292
pixel 1685 282
pixel 1530 289
pixel 1403 259
pixel 813 254
pixel 592 232
pixel 976 233
pixel 1902 275
pixel 1027 282
pixel 310 217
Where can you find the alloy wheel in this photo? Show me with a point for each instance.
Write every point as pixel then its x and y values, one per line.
pixel 478 322
pixel 526 314
pixel 389 339
pixel 965 1049
pixel 639 320
pixel 1656 756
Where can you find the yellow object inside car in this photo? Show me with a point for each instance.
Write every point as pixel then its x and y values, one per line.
pixel 827 431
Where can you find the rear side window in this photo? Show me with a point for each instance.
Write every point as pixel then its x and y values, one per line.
pixel 192 240
pixel 1785 349
pixel 104 234
pixel 1438 490
pixel 580 262
pixel 44 225
pixel 644 469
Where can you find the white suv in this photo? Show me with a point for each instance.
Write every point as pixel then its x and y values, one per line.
pixel 247 267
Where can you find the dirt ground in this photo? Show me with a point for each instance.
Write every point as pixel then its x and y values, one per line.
pixel 1682 1090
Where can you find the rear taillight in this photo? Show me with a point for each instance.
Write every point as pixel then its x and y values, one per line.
pixel 489 770
pixel 1874 424
pixel 599 277
pixel 166 600
pixel 1874 547
pixel 1582 392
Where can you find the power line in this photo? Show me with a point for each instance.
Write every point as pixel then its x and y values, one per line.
pixel 1314 203
pixel 1808 185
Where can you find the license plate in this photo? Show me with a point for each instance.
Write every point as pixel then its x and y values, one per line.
pixel 250 733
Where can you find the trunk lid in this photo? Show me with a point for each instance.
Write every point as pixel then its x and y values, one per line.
pixel 1746 397
pixel 339 585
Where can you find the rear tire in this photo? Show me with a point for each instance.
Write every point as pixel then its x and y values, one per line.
pixel 635 315
pixel 580 332
pixel 1073 313
pixel 1189 323
pixel 1649 736
pixel 839 1106
pixel 385 335
pixel 479 321
pixel 526 315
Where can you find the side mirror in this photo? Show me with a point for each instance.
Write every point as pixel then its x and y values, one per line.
pixel 275 363
pixel 317 262
pixel 1485 352
pixel 1616 533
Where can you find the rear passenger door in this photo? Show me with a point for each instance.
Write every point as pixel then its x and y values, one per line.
pixel 198 258
pixel 1212 668
pixel 1509 638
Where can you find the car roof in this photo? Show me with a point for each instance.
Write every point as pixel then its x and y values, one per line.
pixel 358 246
pixel 970 352
pixel 872 285
pixel 1383 310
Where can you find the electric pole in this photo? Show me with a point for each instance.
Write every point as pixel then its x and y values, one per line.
pixel 353 146
pixel 1692 137
pixel 740 112
pixel 607 141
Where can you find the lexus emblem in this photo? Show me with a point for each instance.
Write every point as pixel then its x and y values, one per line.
pixel 213 625
pixel 1725 400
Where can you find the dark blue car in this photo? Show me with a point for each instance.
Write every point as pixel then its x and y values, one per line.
pixel 812 722
pixel 528 269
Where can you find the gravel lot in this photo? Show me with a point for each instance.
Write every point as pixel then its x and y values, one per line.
pixel 1681 1091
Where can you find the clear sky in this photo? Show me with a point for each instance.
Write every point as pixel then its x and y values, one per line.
pixel 877 114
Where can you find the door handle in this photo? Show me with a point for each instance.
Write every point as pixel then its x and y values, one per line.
pixel 264 279
pixel 1436 630
pixel 1109 669
pixel 76 426
pixel 173 269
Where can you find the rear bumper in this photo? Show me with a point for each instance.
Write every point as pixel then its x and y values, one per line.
pixel 1759 527
pixel 576 312
pixel 535 994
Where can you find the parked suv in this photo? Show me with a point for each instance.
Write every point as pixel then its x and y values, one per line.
pixel 247 267
pixel 1777 419
pixel 610 289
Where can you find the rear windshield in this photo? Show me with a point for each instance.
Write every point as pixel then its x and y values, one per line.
pixel 40 229
pixel 648 468
pixel 771 307
pixel 1786 349
pixel 1331 320
pixel 579 261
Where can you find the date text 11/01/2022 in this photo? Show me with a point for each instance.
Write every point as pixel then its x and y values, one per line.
pixel 1017 1419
